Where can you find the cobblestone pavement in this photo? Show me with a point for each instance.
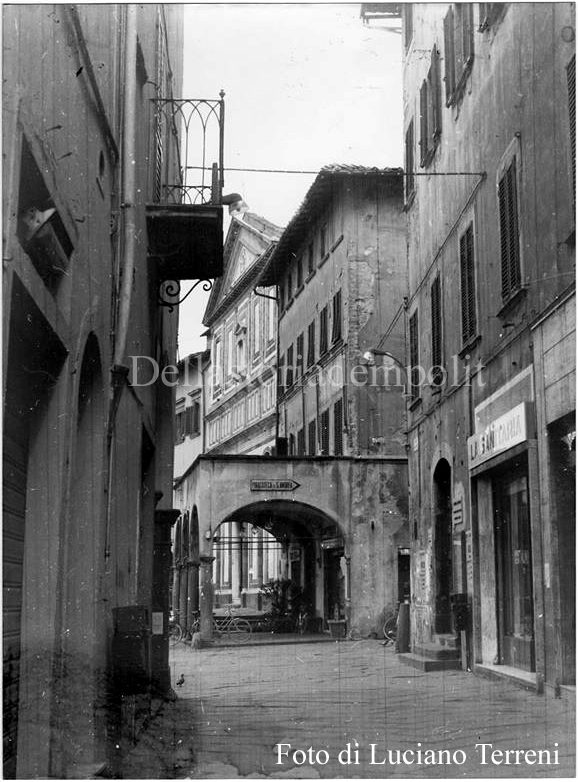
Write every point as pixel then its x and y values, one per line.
pixel 237 704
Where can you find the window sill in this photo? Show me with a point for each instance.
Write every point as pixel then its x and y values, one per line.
pixel 469 345
pixel 322 261
pixel 512 301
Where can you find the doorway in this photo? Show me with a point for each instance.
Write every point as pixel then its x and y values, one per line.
pixel 442 480
pixel 514 591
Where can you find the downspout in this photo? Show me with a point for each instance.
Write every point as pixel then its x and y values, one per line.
pixel 119 371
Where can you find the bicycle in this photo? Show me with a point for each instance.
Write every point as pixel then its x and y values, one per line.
pixel 175 630
pixel 302 621
pixel 390 627
pixel 236 628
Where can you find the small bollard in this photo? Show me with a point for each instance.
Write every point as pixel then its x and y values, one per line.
pixel 403 628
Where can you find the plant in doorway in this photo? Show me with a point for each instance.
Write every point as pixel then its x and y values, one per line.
pixel 286 600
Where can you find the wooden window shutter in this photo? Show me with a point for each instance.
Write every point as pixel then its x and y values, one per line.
pixel 409 162
pixel 449 55
pixel 280 376
pixel 323 331
pixel 509 232
pixel 189 420
pixel 338 428
pixel 468 292
pixel 311 344
pixel 423 134
pixel 467 32
pixel 312 438
pixel 414 353
pixel 436 331
pixel 571 79
pixel 336 332
pixel 324 432
pixel 299 357
pixel 289 366
pixel 436 101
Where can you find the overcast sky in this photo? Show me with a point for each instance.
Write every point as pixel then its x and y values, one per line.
pixel 306 85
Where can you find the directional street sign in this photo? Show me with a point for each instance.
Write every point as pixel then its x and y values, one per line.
pixel 258 484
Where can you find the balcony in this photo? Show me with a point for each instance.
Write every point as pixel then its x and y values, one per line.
pixel 185 218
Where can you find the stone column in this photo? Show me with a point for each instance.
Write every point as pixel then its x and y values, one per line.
pixel 193 590
pixel 206 601
pixel 236 563
pixel 162 561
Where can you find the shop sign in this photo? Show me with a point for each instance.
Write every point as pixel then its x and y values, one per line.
pixel 505 432
pixel 257 484
pixel 331 543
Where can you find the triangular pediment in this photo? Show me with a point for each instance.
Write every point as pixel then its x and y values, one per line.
pixel 244 246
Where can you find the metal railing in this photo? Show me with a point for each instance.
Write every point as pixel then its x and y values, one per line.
pixel 199 124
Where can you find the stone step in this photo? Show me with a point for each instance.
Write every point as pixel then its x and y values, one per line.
pixel 446 639
pixel 427 664
pixel 435 652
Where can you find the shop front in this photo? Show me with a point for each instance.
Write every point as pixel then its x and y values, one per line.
pixel 502 459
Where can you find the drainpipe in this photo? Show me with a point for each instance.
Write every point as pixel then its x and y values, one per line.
pixel 119 371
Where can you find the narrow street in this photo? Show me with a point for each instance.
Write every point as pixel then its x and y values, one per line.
pixel 237 704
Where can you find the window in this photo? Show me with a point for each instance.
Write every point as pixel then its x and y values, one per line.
pixel 468 284
pixel 290 366
pixel 571 80
pixel 409 161
pixel 217 368
pixel 336 330
pixel 301 442
pixel 312 438
pixel 240 368
pixel 310 259
pixel 195 419
pixel 299 357
pixel 299 272
pixel 271 319
pixel 430 111
pixel 256 328
pixel 230 352
pixel 489 14
pixel 281 297
pixel 291 444
pixel 338 428
pixel 459 49
pixel 311 344
pixel 407 24
pixel 509 232
pixel 324 432
pixel 323 241
pixel 281 376
pixel 323 331
pixel 414 355
pixel 436 333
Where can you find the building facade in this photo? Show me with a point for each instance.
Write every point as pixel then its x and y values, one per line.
pixel 238 386
pixel 88 451
pixel 489 113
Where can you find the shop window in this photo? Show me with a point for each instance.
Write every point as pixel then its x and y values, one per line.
pixel 409 162
pixel 468 284
pixel 430 111
pixel 459 49
pixel 312 437
pixel 436 333
pixel 338 428
pixel 323 345
pixel 336 330
pixel 311 344
pixel 414 355
pixel 509 232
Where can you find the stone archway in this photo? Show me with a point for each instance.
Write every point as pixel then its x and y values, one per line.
pixel 312 551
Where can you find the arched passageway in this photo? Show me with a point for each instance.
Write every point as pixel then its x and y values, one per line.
pixel 281 540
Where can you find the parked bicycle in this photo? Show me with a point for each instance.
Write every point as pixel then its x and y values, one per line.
pixel 390 626
pixel 175 630
pixel 235 628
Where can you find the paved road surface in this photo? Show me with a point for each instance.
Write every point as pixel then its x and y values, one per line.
pixel 238 704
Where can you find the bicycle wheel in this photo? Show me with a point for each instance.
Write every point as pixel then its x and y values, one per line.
pixel 175 633
pixel 390 629
pixel 239 630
